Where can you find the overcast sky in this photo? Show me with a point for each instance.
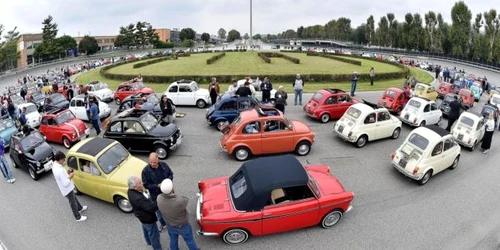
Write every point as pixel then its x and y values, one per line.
pixel 104 17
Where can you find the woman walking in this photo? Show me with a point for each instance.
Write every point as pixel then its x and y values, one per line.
pixel 488 134
pixel 166 109
pixel 214 90
pixel 280 99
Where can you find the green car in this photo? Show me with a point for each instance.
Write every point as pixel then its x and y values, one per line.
pixel 7 129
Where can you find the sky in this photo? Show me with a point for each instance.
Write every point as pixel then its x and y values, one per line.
pixel 104 17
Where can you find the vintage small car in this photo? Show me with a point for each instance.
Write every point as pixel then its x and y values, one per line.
pixel 489 108
pixel 445 104
pixel 394 100
pixel 425 91
pixel 38 98
pixel 328 104
pixel 150 103
pixel 30 151
pixel 188 93
pixel 420 111
pixel 446 88
pixel 425 152
pixel 362 123
pixel 469 129
pixel 101 168
pixel 78 107
pixel 130 88
pixel 259 132
pixel 61 126
pixel 32 115
pixel 100 90
pixel 139 130
pixel 258 199
pixel 467 98
pixel 7 129
pixel 17 99
pixel 227 109
pixel 476 91
pixel 55 101
pixel 495 100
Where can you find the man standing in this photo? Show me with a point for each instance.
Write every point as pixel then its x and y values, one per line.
pixel 22 117
pixel 354 83
pixel 244 90
pixel 145 210
pixel 372 75
pixel 94 116
pixel 231 90
pixel 214 89
pixel 66 186
pixel 4 165
pixel 280 96
pixel 298 87
pixel 266 88
pixel 152 176
pixel 173 209
pixel 455 107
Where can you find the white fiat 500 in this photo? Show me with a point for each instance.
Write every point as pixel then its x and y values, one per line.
pixel 77 107
pixel 425 152
pixel 188 93
pixel 32 116
pixel 362 123
pixel 469 129
pixel 420 111
pixel 100 90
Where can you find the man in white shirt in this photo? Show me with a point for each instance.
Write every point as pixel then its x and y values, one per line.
pixel 66 186
pixel 233 88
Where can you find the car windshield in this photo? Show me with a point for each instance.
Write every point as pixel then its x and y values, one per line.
pixel 65 117
pixel 419 141
pixel 149 121
pixel 100 86
pixel 31 140
pixel 112 158
pixel 318 96
pixel 195 86
pixel 31 109
pixel 38 96
pixel 353 112
pixel 238 185
pixel 414 104
pixel 314 186
pixel 6 123
pixel 138 85
pixel 390 93
pixel 467 121
pixel 57 98
pixel 495 100
pixel 420 87
pixel 153 99
pixel 449 98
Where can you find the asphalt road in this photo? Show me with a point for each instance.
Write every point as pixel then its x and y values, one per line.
pixel 456 210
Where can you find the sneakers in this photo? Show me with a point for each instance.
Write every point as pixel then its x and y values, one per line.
pixel 83 209
pixel 11 180
pixel 485 151
pixel 162 228
pixel 82 218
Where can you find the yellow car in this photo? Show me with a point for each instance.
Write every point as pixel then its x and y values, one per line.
pixel 493 92
pixel 425 91
pixel 101 169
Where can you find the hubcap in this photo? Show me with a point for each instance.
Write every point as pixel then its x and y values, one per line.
pixel 324 118
pixel 332 219
pixel 242 154
pixel 235 237
pixel 117 101
pixel 161 152
pixel 66 143
pixel 396 133
pixel 426 177
pixel 220 125
pixel 201 104
pixel 125 205
pixel 303 149
pixel 32 173
pixel 361 141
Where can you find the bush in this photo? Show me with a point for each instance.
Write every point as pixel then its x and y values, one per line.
pixel 264 57
pixel 215 58
pixel 153 61
pixel 273 54
pixel 183 55
pixel 329 56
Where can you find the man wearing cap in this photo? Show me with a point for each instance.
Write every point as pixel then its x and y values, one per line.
pixel 173 209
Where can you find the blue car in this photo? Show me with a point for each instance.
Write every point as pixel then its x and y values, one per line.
pixel 476 91
pixel 7 129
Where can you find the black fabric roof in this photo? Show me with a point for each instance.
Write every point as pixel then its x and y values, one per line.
pixel 94 146
pixel 438 130
pixel 264 175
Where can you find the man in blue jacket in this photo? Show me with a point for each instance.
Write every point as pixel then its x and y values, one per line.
pixel 266 88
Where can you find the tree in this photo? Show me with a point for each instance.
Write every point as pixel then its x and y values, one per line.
pixel 140 34
pixel 370 29
pixel 151 36
pixel 383 31
pixel 491 29
pixel 460 29
pixel 233 35
pixel 359 35
pixel 257 37
pixel 8 48
pixel 66 42
pixel 408 39
pixel 393 29
pixel 49 30
pixel 290 34
pixel 89 45
pixel 205 37
pixel 222 33
pixel 246 36
pixel 188 43
pixel 431 23
pixel 476 37
pixel 126 37
pixel 187 33
pixel 418 32
pixel 300 32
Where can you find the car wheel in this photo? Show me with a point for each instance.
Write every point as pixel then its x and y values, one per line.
pixel 162 152
pixel 422 123
pixel 473 146
pixel 396 133
pixel 325 118
pixel 123 204
pixel 426 178
pixel 303 148
pixel 361 142
pixel 331 218
pixel 455 162
pixel 241 153
pixel 33 173
pixel 235 236
pixel 201 104
pixel 13 162
pixel 117 101
pixel 221 124
pixel 66 142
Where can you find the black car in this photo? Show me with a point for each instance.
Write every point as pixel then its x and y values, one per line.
pixel 445 104
pixel 55 101
pixel 152 103
pixel 30 151
pixel 488 109
pixel 139 130
pixel 17 99
pixel 38 98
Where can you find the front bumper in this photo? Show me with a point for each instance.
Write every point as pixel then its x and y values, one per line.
pixel 107 99
pixel 415 177
pixel 84 135
pixel 178 142
pixel 222 148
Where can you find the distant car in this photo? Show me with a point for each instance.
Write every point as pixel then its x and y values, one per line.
pixel 131 88
pixel 61 126
pixel 495 100
pixel 38 98
pixel 328 104
pixel 394 100
pixel 188 93
pixel 17 99
pixel 101 168
pixel 491 109
pixel 77 106
pixel 476 91
pixel 362 123
pixel 55 101
pixel 467 98
pixel 259 199
pixel 32 115
pixel 7 129
pixel 469 129
pixel 420 111
pixel 446 88
pixel 425 91
pixel 227 109
pixel 447 100
pixel 493 92
pixel 426 151
pixel 100 90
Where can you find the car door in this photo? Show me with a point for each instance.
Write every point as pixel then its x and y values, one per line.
pixel 244 104
pixel 432 94
pixel 16 152
pixel 228 110
pixel 344 102
pixel 331 106
pixel 277 137
pixel 93 182
pixel 124 91
pixel 135 136
pixel 53 131
pixel 438 157
pixel 251 134
pixel 480 129
pixel 426 114
pixel 448 152
pixel 78 109
pixel 435 113
pixel 72 163
pixel 115 132
pixel 173 94
pixel 185 95
pixel 384 125
pixel 370 126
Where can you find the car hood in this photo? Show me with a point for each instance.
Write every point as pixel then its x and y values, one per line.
pixel 215 196
pixel 163 129
pixel 131 167
pixel 301 127
pixel 39 152
pixel 33 116
pixel 7 133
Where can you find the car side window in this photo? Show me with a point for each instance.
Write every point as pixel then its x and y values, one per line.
pixel 434 106
pixel 438 149
pixel 89 167
pixel 448 144
pixel 430 90
pixel 370 118
pixel 427 108
pixel 331 100
pixel 274 126
pixel 184 88
pixel 72 163
pixel 44 121
pixel 284 195
pixel 383 116
pixel 173 89
pixel 116 127
pixel 72 103
pixel 134 127
pixel 244 104
pixel 52 122
pixel 252 128
pixel 228 106
pixel 79 103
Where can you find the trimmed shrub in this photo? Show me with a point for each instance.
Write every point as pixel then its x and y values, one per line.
pixel 264 57
pixel 153 61
pixel 273 54
pixel 183 55
pixel 215 58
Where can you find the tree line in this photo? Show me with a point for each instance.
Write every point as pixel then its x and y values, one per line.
pixel 8 48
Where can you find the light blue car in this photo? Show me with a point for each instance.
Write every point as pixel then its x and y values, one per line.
pixel 7 129
pixel 476 91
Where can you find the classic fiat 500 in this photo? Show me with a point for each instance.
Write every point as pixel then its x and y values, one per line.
pixel 420 111
pixel 328 104
pixel 469 129
pixel 425 91
pixel 394 99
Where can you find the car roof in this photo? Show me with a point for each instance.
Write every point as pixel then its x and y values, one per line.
pixel 333 91
pixel 55 112
pixel 438 131
pixel 260 112
pixel 183 81
pixel 263 175
pixel 363 107
pixel 472 115
pixel 421 99
pixel 397 90
pixel 92 146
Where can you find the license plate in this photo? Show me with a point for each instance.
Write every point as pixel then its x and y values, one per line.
pixel 460 136
pixel 341 129
pixel 402 163
pixel 48 165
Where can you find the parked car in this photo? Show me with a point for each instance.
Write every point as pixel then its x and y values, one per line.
pixel 77 107
pixel 61 126
pixel 476 91
pixel 495 100
pixel 258 199
pixel 469 129
pixel 16 99
pixel 31 152
pixel 32 115
pixel 425 91
pixel 394 100
pixel 426 152
pixel 100 90
pixel 7 129
pixel 420 111
pixel 467 98
pixel 446 88
pixel 101 168
pixel 227 109
pixel 328 104
pixel 256 132
pixel 489 108
pixel 38 98
pixel 152 103
pixel 188 93
pixel 362 123
pixel 445 104
pixel 130 88
pixel 55 101
pixel 139 130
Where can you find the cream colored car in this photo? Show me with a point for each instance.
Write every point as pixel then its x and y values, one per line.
pixel 425 152
pixel 362 123
pixel 469 129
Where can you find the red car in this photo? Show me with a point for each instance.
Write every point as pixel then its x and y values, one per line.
pixel 394 100
pixel 446 88
pixel 467 97
pixel 130 88
pixel 259 199
pixel 61 126
pixel 328 104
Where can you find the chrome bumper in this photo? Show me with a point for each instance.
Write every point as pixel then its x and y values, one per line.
pixel 408 122
pixel 177 143
pixel 311 115
pixel 344 137
pixel 416 177
pixel 199 232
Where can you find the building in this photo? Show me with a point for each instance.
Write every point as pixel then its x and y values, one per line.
pixel 174 35
pixel 26 48
pixel 104 42
pixel 163 34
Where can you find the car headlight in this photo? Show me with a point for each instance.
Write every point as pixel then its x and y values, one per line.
pixel 73 134
pixel 38 164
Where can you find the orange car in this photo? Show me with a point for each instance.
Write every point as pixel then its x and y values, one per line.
pixel 258 132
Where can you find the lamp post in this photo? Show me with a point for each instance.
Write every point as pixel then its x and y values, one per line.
pixel 251 35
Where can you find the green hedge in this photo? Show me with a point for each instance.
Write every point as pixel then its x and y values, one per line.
pixel 274 54
pixel 215 58
pixel 340 59
pixel 183 55
pixel 264 57
pixel 153 61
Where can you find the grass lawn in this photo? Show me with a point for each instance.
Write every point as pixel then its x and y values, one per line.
pixel 421 75
pixel 248 63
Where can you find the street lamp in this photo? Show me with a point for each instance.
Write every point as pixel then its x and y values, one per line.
pixel 251 35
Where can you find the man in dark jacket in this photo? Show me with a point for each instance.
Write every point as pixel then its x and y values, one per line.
pixel 244 90
pixel 152 176
pixel 145 210
pixel 455 107
pixel 266 88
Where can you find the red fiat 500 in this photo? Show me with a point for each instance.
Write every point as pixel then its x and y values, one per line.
pixel 130 88
pixel 467 97
pixel 260 199
pixel 328 104
pixel 394 100
pixel 61 126
pixel 446 88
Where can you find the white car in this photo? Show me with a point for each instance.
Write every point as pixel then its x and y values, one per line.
pixel 100 90
pixel 420 111
pixel 77 107
pixel 469 129
pixel 425 152
pixel 495 100
pixel 362 123
pixel 188 93
pixel 32 116
pixel 256 87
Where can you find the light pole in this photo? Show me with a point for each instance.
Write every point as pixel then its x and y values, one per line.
pixel 251 35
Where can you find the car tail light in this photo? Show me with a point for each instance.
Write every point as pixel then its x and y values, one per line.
pixel 415 170
pixel 393 155
pixel 350 133
pixel 199 185
pixel 470 139
pixel 415 120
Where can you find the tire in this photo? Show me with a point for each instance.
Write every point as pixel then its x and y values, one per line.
pixel 396 133
pixel 303 148
pixel 161 151
pixel 473 146
pixel 33 174
pixel 235 236
pixel 201 103
pixel 117 101
pixel 361 142
pixel 427 176
pixel 66 142
pixel 123 204
pixel 220 124
pixel 324 118
pixel 242 153
pixel 13 162
pixel 455 162
pixel 422 123
pixel 331 219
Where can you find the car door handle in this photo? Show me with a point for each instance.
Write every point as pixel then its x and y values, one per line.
pixel 268 213
pixel 264 136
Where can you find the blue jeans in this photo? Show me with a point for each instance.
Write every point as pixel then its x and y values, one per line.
pixel 353 87
pixel 298 94
pixel 187 234
pixel 97 125
pixel 4 166
pixel 152 235
pixel 160 218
